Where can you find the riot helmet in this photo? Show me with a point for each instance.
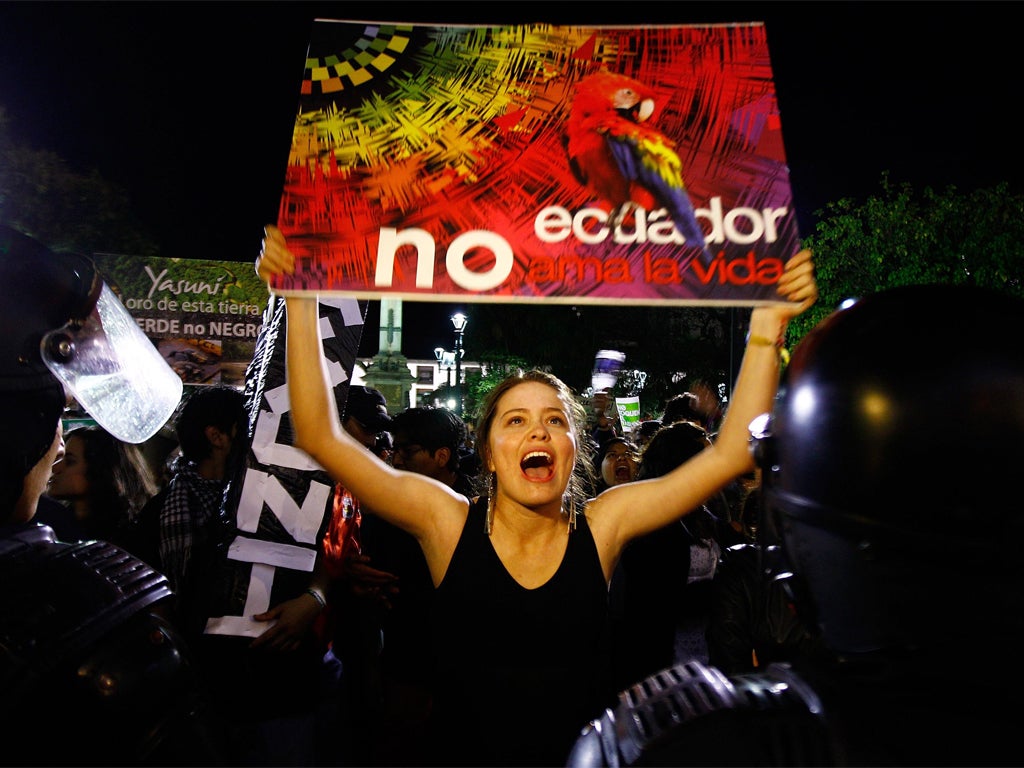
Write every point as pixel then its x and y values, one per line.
pixel 64 331
pixel 890 465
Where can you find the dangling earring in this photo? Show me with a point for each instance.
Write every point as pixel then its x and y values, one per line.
pixel 489 517
pixel 569 509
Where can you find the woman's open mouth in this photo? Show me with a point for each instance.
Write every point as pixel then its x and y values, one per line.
pixel 537 465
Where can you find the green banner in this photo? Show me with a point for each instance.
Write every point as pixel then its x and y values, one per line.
pixel 203 316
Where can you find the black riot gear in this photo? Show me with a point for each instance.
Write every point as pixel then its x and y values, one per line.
pixel 889 461
pixel 889 468
pixel 92 672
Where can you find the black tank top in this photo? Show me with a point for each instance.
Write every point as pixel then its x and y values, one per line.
pixel 520 671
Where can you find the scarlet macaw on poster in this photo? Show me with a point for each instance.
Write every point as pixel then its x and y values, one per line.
pixel 536 163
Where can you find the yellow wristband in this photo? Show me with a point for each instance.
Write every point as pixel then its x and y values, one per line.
pixel 764 341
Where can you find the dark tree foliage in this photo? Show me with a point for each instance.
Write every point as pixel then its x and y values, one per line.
pixel 902 238
pixel 43 196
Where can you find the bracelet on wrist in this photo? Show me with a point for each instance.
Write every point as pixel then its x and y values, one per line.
pixel 317 595
pixel 764 341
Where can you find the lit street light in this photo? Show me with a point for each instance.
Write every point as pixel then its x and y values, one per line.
pixel 445 361
pixel 459 322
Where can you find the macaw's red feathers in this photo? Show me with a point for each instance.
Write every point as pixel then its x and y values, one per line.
pixel 621 159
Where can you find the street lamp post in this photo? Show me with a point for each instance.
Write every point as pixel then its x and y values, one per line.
pixel 459 322
pixel 445 361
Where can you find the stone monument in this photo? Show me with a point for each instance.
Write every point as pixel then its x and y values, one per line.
pixel 388 370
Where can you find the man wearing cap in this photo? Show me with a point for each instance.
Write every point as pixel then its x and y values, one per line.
pixel 366 415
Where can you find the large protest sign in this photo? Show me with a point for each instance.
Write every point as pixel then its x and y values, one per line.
pixel 522 163
pixel 539 163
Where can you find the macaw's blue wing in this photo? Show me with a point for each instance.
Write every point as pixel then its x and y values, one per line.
pixel 657 168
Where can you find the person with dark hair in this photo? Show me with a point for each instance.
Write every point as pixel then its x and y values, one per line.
pixel 682 407
pixel 279 691
pixel 431 441
pixel 94 672
pixel 358 591
pixel 915 586
pixel 104 483
pixel 662 583
pixel 212 427
pixel 520 605
pixel 644 431
pixel 698 404
pixel 617 462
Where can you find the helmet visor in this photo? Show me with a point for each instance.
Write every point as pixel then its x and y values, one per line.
pixel 114 371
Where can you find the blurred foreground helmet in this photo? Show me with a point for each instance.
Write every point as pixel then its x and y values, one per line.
pixel 62 325
pixel 892 462
pixel 83 623
pixel 32 398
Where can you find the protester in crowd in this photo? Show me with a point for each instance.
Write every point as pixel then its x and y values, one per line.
pixel 265 688
pixel 428 441
pixel 698 404
pixel 521 577
pixel 212 429
pixel 754 619
pixel 603 425
pixel 93 671
pixel 279 691
pixel 432 442
pixel 359 591
pixel 104 483
pixel 682 407
pixel 662 584
pixel 618 460
pixel 274 691
pixel 644 431
pixel 915 585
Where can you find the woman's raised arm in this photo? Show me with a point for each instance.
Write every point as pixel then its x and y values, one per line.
pixel 405 499
pixel 632 509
